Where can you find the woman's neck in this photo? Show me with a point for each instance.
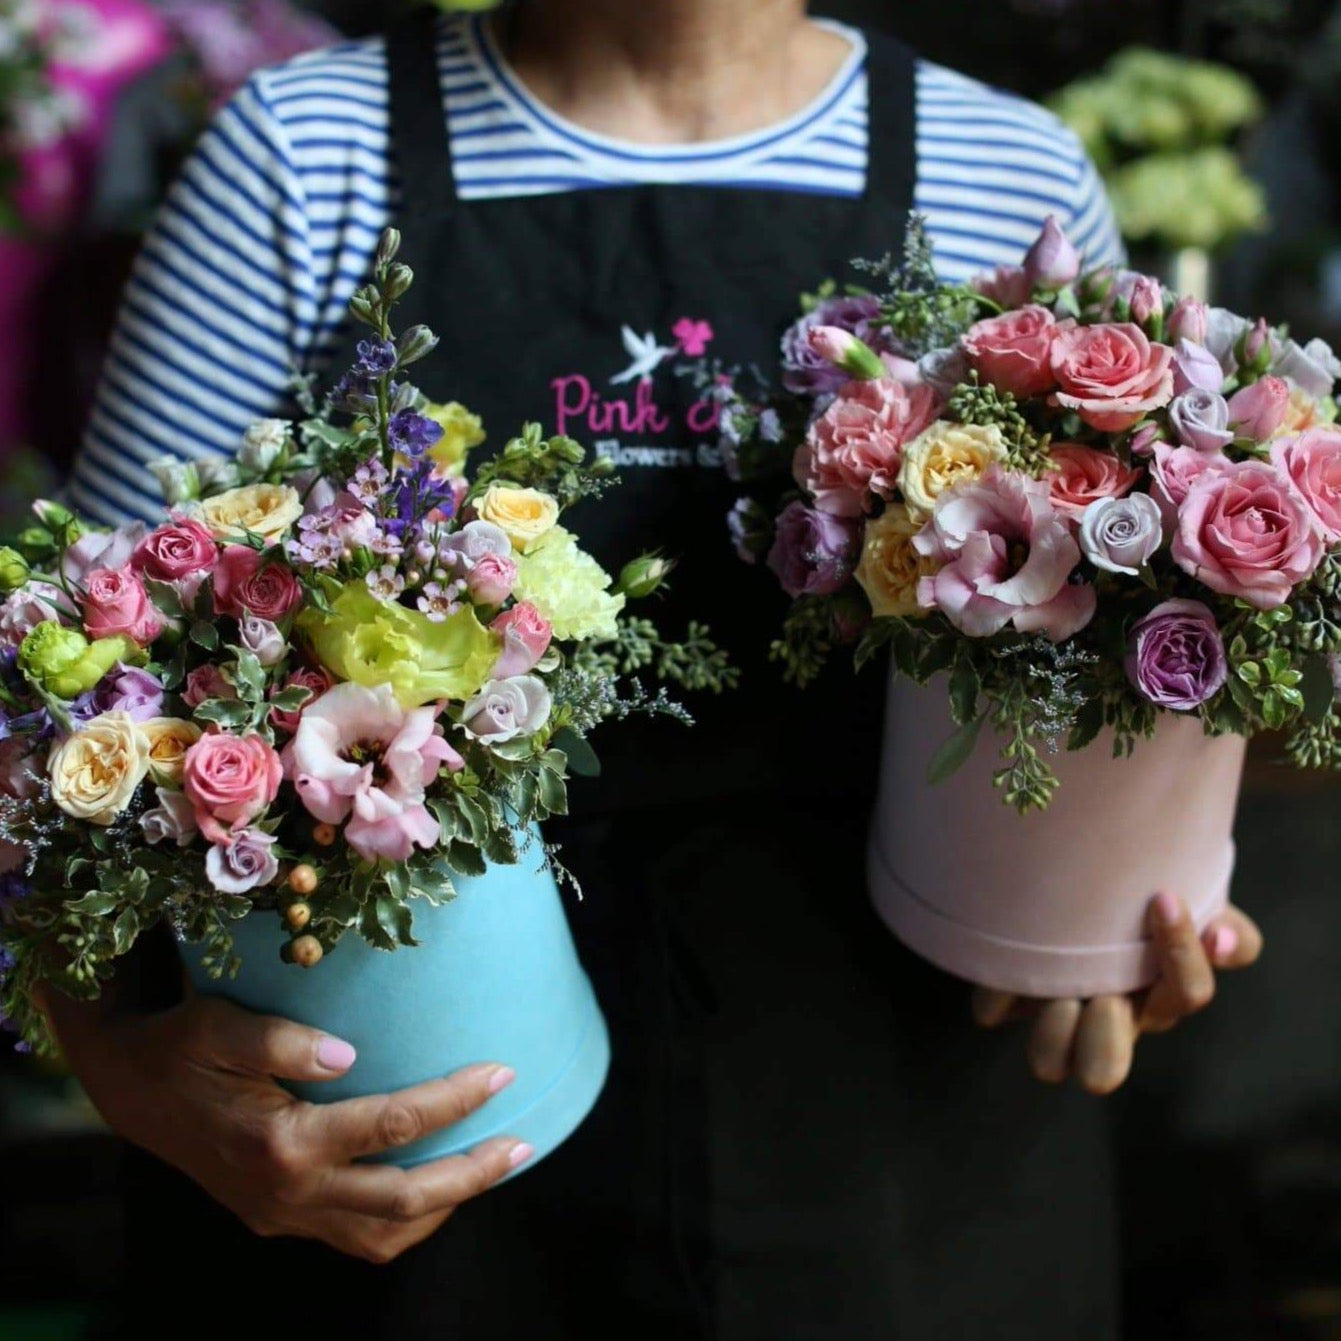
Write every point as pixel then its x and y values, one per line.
pixel 671 71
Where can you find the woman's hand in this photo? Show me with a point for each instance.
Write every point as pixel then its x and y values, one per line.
pixel 1094 1041
pixel 196 1085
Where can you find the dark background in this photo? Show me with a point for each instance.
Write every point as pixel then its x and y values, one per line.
pixel 1230 1133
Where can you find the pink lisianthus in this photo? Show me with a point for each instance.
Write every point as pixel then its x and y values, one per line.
pixel 1312 463
pixel 1243 531
pixel 1014 351
pixel 359 756
pixel 526 635
pixel 115 602
pixel 1084 475
pixel 229 781
pixel 855 447
pixel 101 549
pixel 32 604
pixel 1007 559
pixel 1112 376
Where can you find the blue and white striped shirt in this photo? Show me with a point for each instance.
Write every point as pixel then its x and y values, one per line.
pixel 247 273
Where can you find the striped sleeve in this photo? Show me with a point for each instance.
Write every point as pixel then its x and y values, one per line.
pixel 1092 226
pixel 218 311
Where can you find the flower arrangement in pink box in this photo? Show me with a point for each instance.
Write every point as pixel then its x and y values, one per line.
pixel 1086 508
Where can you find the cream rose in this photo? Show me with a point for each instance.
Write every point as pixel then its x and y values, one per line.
pixel 890 567
pixel 526 516
pixel 95 772
pixel 168 739
pixel 944 455
pixel 266 510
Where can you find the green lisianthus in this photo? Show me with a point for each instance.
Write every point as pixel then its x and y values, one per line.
pixel 372 642
pixel 65 664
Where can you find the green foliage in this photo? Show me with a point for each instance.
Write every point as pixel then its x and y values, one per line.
pixel 556 465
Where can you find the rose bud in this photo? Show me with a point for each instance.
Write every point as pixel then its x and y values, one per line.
pixel 1188 321
pixel 1052 262
pixel 1257 411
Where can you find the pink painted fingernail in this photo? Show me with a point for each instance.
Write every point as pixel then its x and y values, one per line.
pixel 520 1154
pixel 334 1054
pixel 501 1079
pixel 1225 943
pixel 1168 909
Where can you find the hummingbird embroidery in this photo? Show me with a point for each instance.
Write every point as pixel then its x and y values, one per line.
pixel 646 353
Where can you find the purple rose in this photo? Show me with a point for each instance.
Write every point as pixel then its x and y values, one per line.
pixel 1121 535
pixel 263 639
pixel 466 547
pixel 243 863
pixel 1195 366
pixel 1201 420
pixel 808 373
pixel 813 552
pixel 1176 656
pixel 505 709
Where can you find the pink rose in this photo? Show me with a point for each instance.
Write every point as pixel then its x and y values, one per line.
pixel 206 682
pixel 1195 368
pixel 1258 410
pixel 229 780
pixel 1174 471
pixel 855 447
pixel 1111 375
pixel 244 583
pixel 1243 531
pixel 318 681
pixel 1312 463
pixel 115 602
pixel 1084 475
pixel 491 579
pixel 1144 439
pixel 1014 352
pixel 184 549
pixel 1007 559
pixel 1007 286
pixel 359 756
pixel 526 635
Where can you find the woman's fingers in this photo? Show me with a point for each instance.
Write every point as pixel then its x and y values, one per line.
pixel 356 1127
pixel 1052 1039
pixel 992 1009
pixel 406 1196
pixel 1186 981
pixel 232 1039
pixel 1233 940
pixel 1105 1044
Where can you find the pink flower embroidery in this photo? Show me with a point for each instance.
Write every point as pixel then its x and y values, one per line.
pixel 693 336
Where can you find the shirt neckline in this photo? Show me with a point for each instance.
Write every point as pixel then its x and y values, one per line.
pixel 631 153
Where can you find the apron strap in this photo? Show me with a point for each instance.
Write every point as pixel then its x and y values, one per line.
pixel 420 138
pixel 891 173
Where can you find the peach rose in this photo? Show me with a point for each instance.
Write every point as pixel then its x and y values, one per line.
pixel 1110 375
pixel 1312 463
pixel 1083 475
pixel 1014 352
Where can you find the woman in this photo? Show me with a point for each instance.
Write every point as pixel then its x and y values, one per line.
pixel 799 1138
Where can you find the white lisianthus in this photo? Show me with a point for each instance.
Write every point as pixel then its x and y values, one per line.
pixel 262 444
pixel 179 481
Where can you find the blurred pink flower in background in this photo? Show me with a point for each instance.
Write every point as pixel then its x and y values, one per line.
pixel 230 40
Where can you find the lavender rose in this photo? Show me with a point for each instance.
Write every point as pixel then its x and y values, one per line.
pixel 263 638
pixel 805 371
pixel 1201 420
pixel 472 542
pixel 1195 366
pixel 174 819
pixel 243 863
pixel 1176 656
pixel 127 690
pixel 505 709
pixel 1122 534
pixel 813 552
pixel 1312 367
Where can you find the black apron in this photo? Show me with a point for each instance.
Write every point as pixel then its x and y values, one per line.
pixel 802 1136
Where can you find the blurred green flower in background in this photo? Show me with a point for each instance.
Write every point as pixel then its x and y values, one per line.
pixel 1162 129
